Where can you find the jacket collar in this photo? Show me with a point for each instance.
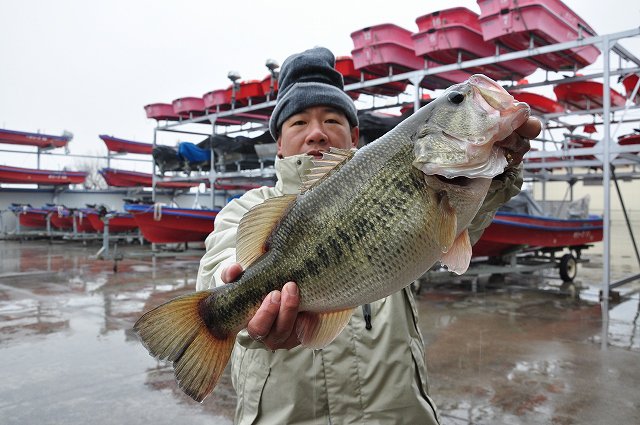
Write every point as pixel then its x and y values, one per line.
pixel 290 172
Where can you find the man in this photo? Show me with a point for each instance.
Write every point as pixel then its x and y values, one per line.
pixel 374 371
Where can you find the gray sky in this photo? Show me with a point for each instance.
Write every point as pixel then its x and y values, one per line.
pixel 89 67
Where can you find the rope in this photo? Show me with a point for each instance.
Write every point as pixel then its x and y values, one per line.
pixel 157 211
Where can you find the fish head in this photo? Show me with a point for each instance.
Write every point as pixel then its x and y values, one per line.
pixel 457 132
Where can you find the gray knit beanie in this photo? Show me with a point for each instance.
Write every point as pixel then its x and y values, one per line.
pixel 310 79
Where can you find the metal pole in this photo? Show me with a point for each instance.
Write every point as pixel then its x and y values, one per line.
pixel 543 170
pixel 105 237
pixel 416 92
pixel 606 183
pixel 153 168
pixel 624 211
pixel 49 224
pixel 212 168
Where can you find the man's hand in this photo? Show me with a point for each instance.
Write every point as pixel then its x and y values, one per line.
pixel 517 143
pixel 274 322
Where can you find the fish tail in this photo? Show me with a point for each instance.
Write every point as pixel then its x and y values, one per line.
pixel 177 331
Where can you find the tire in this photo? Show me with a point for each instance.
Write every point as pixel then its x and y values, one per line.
pixel 568 268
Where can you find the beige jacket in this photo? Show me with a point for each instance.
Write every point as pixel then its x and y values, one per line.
pixel 375 376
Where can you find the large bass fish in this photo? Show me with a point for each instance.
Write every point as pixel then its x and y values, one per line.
pixel 365 225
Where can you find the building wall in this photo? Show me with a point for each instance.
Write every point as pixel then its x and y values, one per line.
pixel 622 250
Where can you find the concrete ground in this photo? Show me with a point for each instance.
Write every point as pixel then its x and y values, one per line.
pixel 504 354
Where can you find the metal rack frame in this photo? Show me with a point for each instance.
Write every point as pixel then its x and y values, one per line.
pixel 607 43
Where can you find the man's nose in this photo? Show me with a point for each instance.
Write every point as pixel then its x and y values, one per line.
pixel 316 134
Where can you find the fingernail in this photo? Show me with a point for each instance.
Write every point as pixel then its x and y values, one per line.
pixel 292 289
pixel 275 297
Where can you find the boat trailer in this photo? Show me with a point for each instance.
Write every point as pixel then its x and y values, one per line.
pixel 519 261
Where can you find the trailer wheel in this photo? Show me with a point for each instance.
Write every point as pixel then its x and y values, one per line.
pixel 568 267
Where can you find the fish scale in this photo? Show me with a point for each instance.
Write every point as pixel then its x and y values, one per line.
pixel 385 242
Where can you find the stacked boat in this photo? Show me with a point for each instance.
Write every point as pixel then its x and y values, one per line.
pixel 231 153
pixel 158 223
pixel 130 179
pixel 161 223
pixel 441 38
pixel 90 219
pixel 40 140
pixel 522 224
pixel 164 224
pixel 20 175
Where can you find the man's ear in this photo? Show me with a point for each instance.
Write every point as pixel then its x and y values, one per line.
pixel 355 137
pixel 279 144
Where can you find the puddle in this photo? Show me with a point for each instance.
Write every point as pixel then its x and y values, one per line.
pixel 505 354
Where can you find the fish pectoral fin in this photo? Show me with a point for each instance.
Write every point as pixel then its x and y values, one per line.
pixel 322 168
pixel 458 257
pixel 257 225
pixel 447 221
pixel 317 330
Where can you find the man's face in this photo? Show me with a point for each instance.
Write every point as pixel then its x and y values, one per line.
pixel 315 130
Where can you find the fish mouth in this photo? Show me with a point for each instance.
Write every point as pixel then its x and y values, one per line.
pixel 461 181
pixel 492 97
pixel 491 94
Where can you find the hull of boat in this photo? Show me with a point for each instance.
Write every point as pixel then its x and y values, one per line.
pixel 33 139
pixel 119 223
pixel 511 231
pixel 18 175
pixel 126 146
pixel 172 225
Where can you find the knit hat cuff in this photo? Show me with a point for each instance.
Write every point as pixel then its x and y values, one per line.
pixel 303 95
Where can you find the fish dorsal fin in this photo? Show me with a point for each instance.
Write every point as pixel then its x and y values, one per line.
pixel 256 226
pixel 323 168
pixel 317 330
pixel 458 257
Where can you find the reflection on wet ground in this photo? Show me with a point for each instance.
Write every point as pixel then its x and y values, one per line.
pixel 68 355
pixel 499 355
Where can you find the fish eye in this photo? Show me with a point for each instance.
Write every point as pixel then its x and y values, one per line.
pixel 455 97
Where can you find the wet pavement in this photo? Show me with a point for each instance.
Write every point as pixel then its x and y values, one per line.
pixel 505 354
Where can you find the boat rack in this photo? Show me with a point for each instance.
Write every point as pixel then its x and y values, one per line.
pixel 104 252
pixel 49 232
pixel 624 159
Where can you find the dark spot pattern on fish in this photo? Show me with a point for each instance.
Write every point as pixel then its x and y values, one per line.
pixel 362 226
pixel 404 186
pixel 345 237
pixel 323 255
pixel 311 267
pixel 336 248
